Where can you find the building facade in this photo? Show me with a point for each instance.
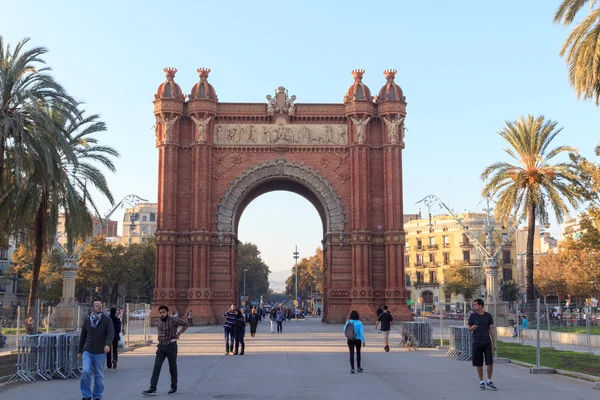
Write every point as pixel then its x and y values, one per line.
pixel 215 158
pixel 139 223
pixel 434 247
pixel 108 230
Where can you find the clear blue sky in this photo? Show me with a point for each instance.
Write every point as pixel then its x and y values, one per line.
pixel 464 67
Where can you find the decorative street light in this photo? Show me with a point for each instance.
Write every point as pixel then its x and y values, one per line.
pixel 296 258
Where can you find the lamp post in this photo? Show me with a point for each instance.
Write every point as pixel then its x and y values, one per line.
pixel 296 258
pixel 245 283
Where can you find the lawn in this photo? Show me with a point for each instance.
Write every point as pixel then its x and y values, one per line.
pixel 566 360
pixel 594 330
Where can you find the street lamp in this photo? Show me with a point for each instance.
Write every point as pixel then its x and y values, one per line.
pixel 245 283
pixel 296 258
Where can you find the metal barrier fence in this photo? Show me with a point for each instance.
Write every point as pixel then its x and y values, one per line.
pixel 136 327
pixel 461 343
pixel 47 357
pixel 421 332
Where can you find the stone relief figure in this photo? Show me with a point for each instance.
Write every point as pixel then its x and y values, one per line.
pixel 219 134
pixel 167 125
pixel 271 105
pixel 328 137
pixel 200 128
pixel 291 106
pixel 341 135
pixel 266 134
pixel 252 134
pixel 393 126
pixel 360 125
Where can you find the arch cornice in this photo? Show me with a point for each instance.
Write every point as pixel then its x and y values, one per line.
pixel 333 207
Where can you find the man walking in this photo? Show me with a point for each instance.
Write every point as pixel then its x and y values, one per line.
pixel 228 329
pixel 481 324
pixel 385 318
pixel 97 334
pixel 111 362
pixel 167 348
pixel 280 317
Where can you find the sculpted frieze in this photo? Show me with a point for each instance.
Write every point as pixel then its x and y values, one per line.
pixel 269 134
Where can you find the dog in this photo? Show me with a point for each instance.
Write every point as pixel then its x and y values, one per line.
pixel 408 341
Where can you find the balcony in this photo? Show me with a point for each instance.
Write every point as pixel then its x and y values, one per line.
pixel 446 245
pixel 432 264
pixel 419 248
pixel 466 244
pixel 418 265
pixel 507 261
pixel 508 243
pixel 432 247
pixel 421 284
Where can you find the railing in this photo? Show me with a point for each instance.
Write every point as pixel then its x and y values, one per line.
pixel 432 247
pixel 418 265
pixel 446 244
pixel 465 244
pixel 419 248
pixel 422 284
pixel 432 264
pixel 506 262
pixel 508 243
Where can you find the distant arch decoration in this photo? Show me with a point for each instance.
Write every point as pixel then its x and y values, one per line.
pixel 281 168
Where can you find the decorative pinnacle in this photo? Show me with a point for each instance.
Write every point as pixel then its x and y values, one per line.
pixel 390 74
pixel 170 72
pixel 203 72
pixel 358 74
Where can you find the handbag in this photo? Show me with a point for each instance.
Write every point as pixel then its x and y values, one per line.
pixel 121 340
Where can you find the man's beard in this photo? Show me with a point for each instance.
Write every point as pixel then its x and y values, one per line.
pixel 164 318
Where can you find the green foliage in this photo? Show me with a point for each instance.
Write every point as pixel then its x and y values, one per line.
pixel 257 274
pixel 310 274
pixel 459 280
pixel 509 291
pixel 50 280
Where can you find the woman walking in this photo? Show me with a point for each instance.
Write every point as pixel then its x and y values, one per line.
pixel 355 335
pixel 239 330
pixel 253 320
pixel 272 320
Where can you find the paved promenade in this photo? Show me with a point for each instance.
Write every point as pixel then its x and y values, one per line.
pixel 308 361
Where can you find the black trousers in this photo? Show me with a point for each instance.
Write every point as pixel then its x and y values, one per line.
pixel 279 326
pixel 239 340
pixel 356 343
pixel 114 352
pixel 170 353
pixel 253 329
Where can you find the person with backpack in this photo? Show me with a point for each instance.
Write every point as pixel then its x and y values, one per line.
pixel 355 336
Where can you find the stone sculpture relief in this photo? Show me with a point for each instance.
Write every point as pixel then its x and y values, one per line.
pixel 281 103
pixel 237 134
pixel 360 125
pixel 393 126
pixel 200 128
pixel 167 125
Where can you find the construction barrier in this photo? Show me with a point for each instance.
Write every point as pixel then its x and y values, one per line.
pixel 46 357
pixel 461 343
pixel 421 332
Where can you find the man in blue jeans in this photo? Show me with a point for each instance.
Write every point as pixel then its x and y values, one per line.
pixel 228 329
pixel 96 337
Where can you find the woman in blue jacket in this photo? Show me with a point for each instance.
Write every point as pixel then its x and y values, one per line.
pixel 357 342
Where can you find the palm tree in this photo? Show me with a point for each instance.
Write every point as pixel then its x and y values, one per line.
pixel 582 47
pixel 533 184
pixel 61 186
pixel 26 90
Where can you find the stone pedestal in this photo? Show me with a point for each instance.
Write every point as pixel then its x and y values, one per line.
pixel 64 315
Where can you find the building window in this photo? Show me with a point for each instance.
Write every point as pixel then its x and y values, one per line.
pixel 466 256
pixel 506 257
pixel 407 279
pixel 144 218
pixel 465 239
pixel 445 229
pixel 432 257
pixel 419 244
pixel 406 261
pixel 419 277
pixel 152 217
pixel 507 274
pixel 431 241
pixel 419 259
pixel 130 240
pixel 3 254
pixel 144 230
pixel 448 296
pixel 432 277
pixel 446 240
pixel 446 258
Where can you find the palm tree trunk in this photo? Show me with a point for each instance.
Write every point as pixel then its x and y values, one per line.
pixel 2 149
pixel 39 235
pixel 529 263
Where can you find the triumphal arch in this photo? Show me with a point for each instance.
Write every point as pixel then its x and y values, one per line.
pixel 215 158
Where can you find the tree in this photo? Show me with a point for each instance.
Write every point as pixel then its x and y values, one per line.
pixel 50 272
pixel 534 183
pixel 582 47
pixel 510 291
pixel 257 274
pixel 460 280
pixel 61 184
pixel 550 275
pixel 26 90
pixel 141 261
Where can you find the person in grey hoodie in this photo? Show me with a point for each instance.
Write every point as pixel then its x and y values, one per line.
pixel 97 333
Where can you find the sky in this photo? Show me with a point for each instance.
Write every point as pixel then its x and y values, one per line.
pixel 465 68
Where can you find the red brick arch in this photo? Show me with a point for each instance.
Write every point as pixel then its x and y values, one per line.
pixel 215 158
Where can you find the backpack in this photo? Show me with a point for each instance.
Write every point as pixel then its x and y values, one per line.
pixel 349 331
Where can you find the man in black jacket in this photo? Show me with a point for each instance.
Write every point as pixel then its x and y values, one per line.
pixel 96 337
pixel 111 362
